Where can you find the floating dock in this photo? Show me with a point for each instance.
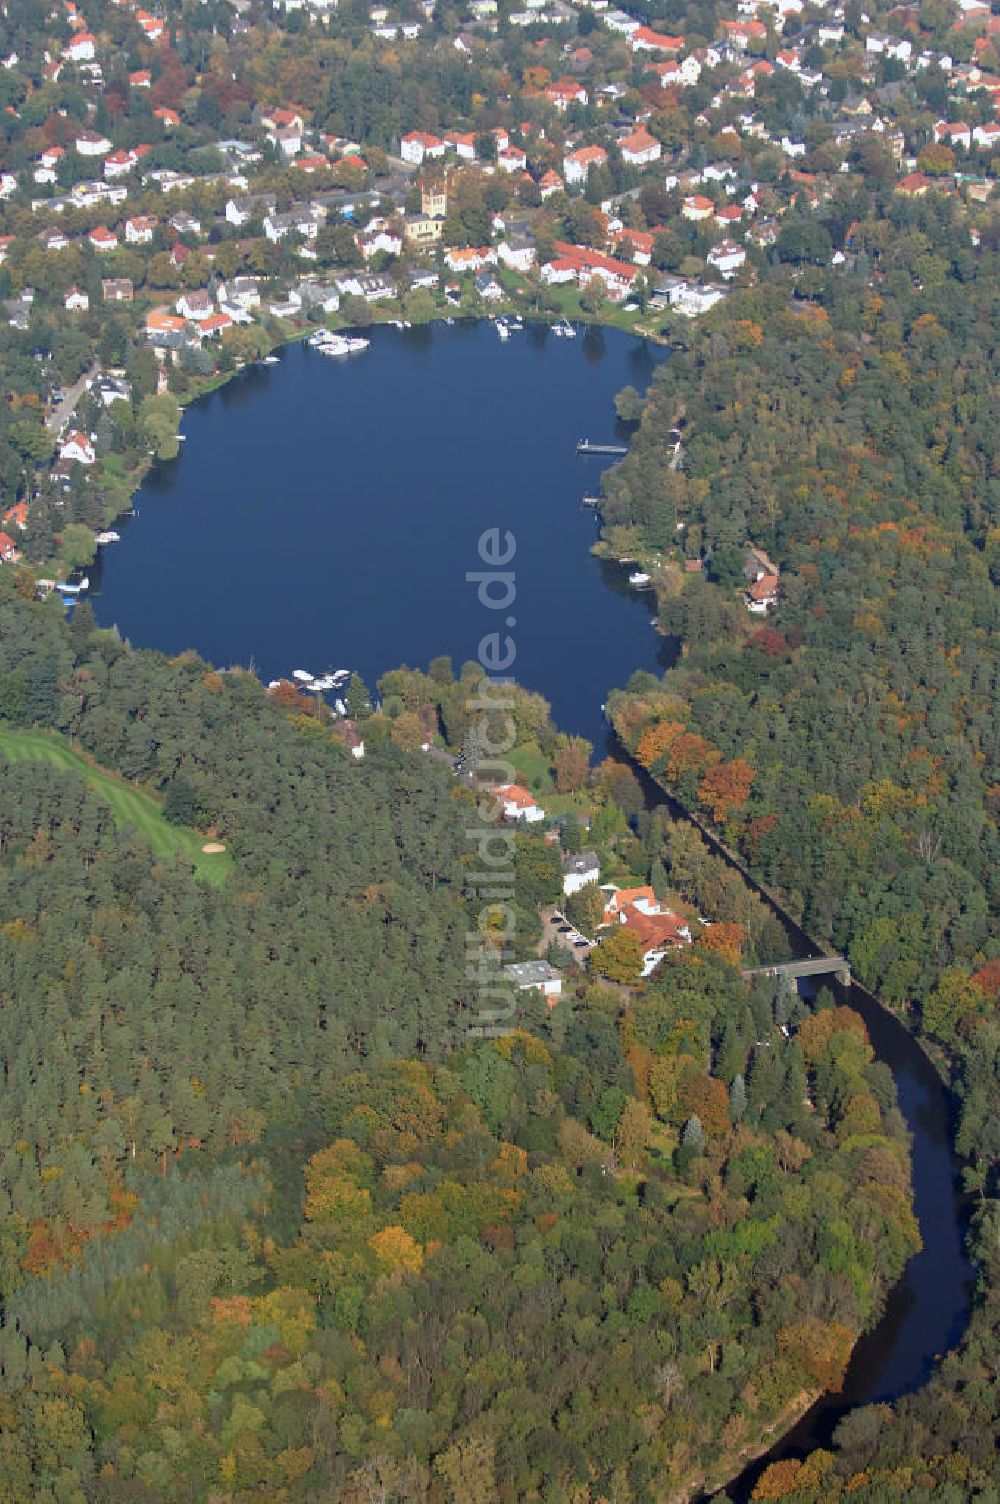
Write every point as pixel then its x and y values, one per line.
pixel 587 446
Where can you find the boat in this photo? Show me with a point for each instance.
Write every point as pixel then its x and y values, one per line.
pixel 270 360
pixel 108 537
pixel 355 344
pixel 302 675
pixel 502 329
pixel 638 577
pixel 567 331
pixel 340 707
pixel 65 588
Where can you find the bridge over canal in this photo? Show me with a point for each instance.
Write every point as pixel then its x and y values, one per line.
pixel 815 966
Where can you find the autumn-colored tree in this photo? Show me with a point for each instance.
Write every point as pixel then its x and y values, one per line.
pixel 632 1134
pixel 778 1480
pixel 332 1194
pixel 816 1031
pixel 690 753
pixel 820 1348
pixel 655 741
pixel 619 956
pixel 936 159
pixel 571 764
pixel 707 1099
pixel 723 939
pixel 956 996
pixel 726 787
pixel 987 979
pixel 396 1250
pixel 861 1115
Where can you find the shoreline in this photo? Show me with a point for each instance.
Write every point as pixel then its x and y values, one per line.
pixel 295 336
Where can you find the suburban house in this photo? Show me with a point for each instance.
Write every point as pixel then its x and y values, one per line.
pixel 417 145
pixel 77 447
pixel 512 159
pixel 762 594
pixel 580 870
pixel 75 300
pixel 635 244
pixel 92 144
pixel 639 148
pixel 726 258
pixel 577 164
pixel 518 804
pixel 535 976
pixel 103 239
pixel 644 39
pixel 194 305
pixel 139 229
pixel 117 289
pixel 517 252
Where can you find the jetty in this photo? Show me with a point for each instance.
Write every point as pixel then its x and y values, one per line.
pixel 587 446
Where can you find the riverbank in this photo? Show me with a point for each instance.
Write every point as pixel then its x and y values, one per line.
pixel 927 1312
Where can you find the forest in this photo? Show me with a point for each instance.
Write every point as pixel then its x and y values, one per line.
pixel 273 1227
pixel 845 746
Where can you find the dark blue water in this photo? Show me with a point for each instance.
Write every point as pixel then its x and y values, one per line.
pixel 325 513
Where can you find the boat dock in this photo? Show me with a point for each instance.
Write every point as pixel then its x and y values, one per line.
pixel 587 446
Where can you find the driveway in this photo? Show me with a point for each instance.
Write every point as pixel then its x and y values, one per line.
pixel 61 415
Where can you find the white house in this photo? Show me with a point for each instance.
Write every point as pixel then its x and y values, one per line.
pixel 140 229
pixel 75 300
pixel 580 870
pixel 577 164
pixel 691 299
pixel 517 253
pixel 417 145
pixel 512 159
pixel 194 305
pixel 639 148
pixel 92 144
pixel 518 804
pixel 726 258
pixel 76 446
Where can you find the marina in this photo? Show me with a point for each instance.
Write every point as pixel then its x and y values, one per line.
pixel 327 342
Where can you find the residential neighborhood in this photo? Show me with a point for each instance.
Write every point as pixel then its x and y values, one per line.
pixel 593 164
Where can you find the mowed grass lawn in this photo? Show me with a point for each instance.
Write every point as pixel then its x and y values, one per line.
pixel 128 805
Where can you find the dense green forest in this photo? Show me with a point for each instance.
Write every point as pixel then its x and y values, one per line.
pixel 273 1227
pixel 847 746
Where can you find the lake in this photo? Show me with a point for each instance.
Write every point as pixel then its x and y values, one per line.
pixel 324 513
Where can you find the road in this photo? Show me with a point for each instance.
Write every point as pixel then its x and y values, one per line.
pixel 62 414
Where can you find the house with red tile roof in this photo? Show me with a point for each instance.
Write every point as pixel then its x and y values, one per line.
pixel 577 164
pixel 518 804
pixel 639 148
pixel 103 239
pixel 645 39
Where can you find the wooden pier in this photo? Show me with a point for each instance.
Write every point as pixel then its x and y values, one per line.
pixel 587 446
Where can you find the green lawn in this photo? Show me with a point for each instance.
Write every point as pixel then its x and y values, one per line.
pixel 128 805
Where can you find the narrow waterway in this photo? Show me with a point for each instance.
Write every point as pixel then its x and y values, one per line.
pixel 927 1310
